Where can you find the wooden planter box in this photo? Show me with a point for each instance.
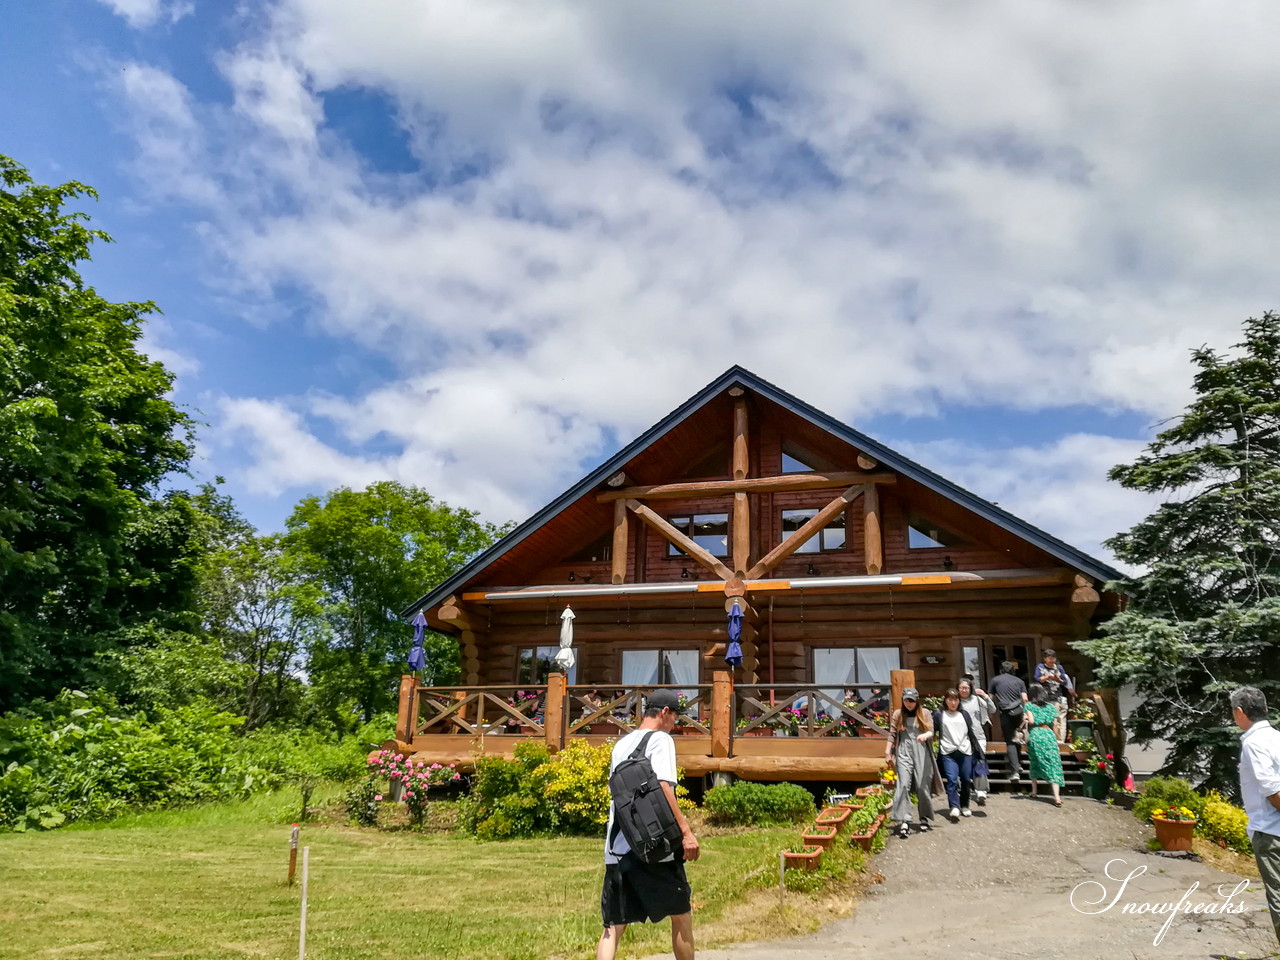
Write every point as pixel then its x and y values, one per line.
pixel 1174 834
pixel 833 817
pixel 808 859
pixel 822 837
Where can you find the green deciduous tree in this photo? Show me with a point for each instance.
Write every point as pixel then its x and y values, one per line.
pixel 1205 618
pixel 371 553
pixel 88 547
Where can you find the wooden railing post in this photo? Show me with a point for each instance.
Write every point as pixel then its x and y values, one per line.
pixel 721 712
pixel 901 679
pixel 553 715
pixel 406 718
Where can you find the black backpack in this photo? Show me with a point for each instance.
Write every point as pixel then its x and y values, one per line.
pixel 640 808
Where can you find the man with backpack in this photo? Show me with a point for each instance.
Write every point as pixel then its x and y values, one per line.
pixel 648 839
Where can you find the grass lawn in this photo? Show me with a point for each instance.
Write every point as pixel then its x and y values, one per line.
pixel 209 883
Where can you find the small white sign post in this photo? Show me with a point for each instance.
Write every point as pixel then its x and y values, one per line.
pixel 302 932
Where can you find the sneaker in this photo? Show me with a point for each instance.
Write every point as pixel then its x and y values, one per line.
pixel 904 830
pixel 924 826
pixel 966 812
pixel 954 814
pixel 981 799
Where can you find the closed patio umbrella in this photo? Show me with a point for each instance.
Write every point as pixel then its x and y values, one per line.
pixel 418 655
pixel 565 658
pixel 733 652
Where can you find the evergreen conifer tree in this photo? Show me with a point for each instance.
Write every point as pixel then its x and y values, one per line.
pixel 1205 616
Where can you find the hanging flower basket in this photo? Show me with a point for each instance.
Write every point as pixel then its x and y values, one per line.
pixel 822 837
pixel 806 858
pixel 1174 834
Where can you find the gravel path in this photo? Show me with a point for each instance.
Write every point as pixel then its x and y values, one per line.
pixel 999 886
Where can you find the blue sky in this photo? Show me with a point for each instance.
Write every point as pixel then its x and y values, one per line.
pixel 475 244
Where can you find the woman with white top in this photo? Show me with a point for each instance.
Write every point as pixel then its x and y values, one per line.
pixel 976 703
pixel 957 750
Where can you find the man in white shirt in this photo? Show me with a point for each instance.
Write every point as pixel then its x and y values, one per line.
pixel 635 891
pixel 1260 788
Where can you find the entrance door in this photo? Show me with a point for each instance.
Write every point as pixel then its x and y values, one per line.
pixel 1019 651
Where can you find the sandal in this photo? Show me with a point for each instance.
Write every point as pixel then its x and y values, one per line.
pixel 1057 803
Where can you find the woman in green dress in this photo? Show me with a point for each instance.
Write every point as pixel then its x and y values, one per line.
pixel 1042 743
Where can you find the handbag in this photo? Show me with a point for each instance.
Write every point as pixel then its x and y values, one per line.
pixel 1020 735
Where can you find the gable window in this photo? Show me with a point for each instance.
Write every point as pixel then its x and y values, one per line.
pixel 830 537
pixel 923 534
pixel 644 668
pixel 536 663
pixel 710 531
pixel 838 670
pixel 598 551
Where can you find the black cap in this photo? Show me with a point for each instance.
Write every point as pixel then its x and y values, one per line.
pixel 664 698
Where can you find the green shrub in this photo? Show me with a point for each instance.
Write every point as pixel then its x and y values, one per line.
pixel 1159 792
pixel 758 804
pixel 1224 823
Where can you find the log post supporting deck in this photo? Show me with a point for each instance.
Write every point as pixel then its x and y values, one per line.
pixel 721 712
pixel 901 680
pixel 741 537
pixel 553 712
pixel 407 715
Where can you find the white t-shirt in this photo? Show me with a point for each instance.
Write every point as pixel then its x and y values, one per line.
pixel 955 733
pixel 661 751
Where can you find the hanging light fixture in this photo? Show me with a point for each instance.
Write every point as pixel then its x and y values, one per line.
pixel 684 573
pixel 572 577
pixel 812 570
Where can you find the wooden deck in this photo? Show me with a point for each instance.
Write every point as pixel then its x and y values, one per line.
pixel 753 732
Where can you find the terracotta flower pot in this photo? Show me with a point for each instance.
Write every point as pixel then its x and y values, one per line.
pixel 833 817
pixel 808 859
pixel 870 791
pixel 851 805
pixel 1081 755
pixel 1174 834
pixel 822 837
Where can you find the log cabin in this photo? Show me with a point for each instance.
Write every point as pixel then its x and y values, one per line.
pixel 851 571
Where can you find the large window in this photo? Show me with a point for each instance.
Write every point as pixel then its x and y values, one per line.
pixel 645 668
pixel 838 670
pixel 710 531
pixel 537 662
pixel 830 537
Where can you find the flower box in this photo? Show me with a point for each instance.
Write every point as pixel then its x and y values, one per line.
pixel 807 858
pixel 757 732
pixel 1174 834
pixel 833 817
pixel 871 791
pixel 851 805
pixel 864 838
pixel 822 837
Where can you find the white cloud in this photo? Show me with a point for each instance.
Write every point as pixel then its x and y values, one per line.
pixel 881 209
pixel 147 13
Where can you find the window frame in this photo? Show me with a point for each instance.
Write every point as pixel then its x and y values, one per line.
pixel 521 650
pixel 820 536
pixel 690 521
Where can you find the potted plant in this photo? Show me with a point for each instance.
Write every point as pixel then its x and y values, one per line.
pixel 1096 776
pixel 833 817
pixel 817 836
pixel 761 731
pixel 1081 748
pixel 806 858
pixel 864 826
pixel 888 779
pixel 1080 719
pixel 870 791
pixel 1174 827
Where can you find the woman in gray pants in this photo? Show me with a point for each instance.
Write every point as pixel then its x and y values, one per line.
pixel 910 751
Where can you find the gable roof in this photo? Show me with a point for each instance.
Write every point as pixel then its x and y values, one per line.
pixel 740 376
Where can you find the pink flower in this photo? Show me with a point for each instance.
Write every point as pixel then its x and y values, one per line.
pixel 457 776
pixel 377 797
pixel 435 766
pixel 408 794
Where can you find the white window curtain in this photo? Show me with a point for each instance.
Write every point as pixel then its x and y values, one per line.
pixel 834 665
pixel 639 668
pixel 682 668
pixel 875 664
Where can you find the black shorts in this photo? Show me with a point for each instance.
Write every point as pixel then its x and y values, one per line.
pixel 635 891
